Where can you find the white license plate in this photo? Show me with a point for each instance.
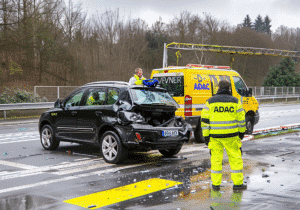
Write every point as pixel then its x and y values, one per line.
pixel 169 133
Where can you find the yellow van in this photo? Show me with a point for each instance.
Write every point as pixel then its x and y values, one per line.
pixel 191 85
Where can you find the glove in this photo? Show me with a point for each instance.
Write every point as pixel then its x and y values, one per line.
pixel 241 135
pixel 206 140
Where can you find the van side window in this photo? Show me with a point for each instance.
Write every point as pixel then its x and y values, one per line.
pixel 215 79
pixel 240 86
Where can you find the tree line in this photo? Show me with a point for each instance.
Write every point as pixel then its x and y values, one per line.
pixel 52 42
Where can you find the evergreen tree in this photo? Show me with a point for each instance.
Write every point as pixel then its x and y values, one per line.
pixel 259 24
pixel 267 26
pixel 247 22
pixel 283 75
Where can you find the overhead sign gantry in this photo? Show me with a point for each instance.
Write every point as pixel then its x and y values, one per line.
pixel 225 49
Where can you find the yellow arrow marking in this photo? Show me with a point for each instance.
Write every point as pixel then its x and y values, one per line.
pixel 116 195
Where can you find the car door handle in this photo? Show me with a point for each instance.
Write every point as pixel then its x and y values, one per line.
pixel 73 112
pixel 98 113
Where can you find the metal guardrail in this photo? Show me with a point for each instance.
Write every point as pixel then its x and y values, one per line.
pixel 25 106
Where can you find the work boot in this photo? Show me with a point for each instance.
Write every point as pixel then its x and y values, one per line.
pixel 216 187
pixel 240 187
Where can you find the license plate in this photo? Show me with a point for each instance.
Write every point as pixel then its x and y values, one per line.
pixel 169 133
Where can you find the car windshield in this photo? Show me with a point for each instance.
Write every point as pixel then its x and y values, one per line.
pixel 153 96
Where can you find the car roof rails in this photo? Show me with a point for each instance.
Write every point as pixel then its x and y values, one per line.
pixel 107 82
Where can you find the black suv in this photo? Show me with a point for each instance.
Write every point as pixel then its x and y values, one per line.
pixel 118 118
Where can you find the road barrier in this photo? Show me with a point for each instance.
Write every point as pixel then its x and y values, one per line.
pixel 269 130
pixel 25 106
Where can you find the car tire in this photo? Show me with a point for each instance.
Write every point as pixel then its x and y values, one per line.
pixel 112 149
pixel 249 124
pixel 198 134
pixel 48 139
pixel 170 152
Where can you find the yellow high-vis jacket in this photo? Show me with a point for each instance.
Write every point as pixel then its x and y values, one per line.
pixel 223 116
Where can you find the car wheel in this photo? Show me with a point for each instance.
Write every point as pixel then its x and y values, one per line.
pixel 198 134
pixel 48 139
pixel 170 152
pixel 249 124
pixel 112 148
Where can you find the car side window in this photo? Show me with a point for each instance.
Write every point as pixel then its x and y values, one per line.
pixel 74 100
pixel 96 98
pixel 112 96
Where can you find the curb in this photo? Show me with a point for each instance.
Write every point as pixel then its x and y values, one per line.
pixel 270 129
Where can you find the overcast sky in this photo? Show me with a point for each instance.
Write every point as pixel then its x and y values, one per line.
pixel 281 12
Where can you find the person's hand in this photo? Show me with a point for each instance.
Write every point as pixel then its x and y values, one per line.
pixel 206 140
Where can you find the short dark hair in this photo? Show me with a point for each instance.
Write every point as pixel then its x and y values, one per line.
pixel 224 84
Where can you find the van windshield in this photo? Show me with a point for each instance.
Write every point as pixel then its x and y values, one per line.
pixel 240 86
pixel 173 84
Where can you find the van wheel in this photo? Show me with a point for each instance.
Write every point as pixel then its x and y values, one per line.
pixel 48 139
pixel 249 124
pixel 198 134
pixel 170 152
pixel 112 149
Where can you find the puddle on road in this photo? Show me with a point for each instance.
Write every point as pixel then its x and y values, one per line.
pixel 194 193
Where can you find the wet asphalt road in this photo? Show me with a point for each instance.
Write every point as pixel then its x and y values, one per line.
pixel 32 178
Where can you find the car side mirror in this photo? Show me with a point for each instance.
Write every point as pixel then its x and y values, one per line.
pixel 58 104
pixel 250 92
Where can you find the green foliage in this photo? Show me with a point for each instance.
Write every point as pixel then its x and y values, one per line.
pixel 267 26
pixel 247 22
pixel 283 75
pixel 19 95
pixel 15 68
pixel 259 24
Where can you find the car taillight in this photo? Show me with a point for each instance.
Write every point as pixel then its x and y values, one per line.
pixel 138 136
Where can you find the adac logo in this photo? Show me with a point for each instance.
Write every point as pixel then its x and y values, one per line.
pixel 222 109
pixel 199 86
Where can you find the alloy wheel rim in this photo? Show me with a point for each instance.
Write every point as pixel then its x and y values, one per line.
pixel 109 147
pixel 46 137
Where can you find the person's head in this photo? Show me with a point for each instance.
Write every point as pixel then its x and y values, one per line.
pixel 224 84
pixel 96 95
pixel 139 72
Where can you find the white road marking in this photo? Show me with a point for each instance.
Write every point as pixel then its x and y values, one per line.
pixel 17 165
pixel 68 178
pixel 19 137
pixel 47 169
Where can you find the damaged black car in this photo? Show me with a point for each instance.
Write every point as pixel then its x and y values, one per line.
pixel 118 118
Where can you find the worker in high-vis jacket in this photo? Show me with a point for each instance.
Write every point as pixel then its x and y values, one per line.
pixel 138 78
pixel 223 126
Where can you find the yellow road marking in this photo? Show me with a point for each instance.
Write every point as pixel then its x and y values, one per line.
pixel 116 195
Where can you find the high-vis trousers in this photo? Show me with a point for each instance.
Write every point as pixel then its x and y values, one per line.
pixel 232 146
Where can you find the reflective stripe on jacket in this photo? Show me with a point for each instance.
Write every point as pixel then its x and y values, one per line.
pixel 136 80
pixel 223 116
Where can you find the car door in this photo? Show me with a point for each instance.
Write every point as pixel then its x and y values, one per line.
pixel 67 119
pixel 90 114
